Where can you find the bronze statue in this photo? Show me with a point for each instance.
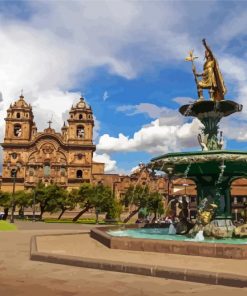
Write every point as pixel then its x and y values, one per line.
pixel 211 77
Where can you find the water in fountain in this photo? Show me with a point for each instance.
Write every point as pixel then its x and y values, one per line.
pixel 222 169
pixel 172 229
pixel 187 170
pixel 199 236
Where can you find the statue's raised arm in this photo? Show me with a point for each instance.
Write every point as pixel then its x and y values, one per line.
pixel 207 47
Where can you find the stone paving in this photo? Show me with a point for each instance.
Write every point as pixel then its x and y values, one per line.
pixel 83 246
pixel 19 276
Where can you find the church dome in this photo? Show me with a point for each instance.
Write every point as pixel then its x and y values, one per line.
pixel 82 104
pixel 21 103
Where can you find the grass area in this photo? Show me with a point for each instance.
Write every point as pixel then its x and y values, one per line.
pixel 80 221
pixel 6 226
pixel 69 220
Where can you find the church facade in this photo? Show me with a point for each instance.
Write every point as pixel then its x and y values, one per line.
pixel 64 158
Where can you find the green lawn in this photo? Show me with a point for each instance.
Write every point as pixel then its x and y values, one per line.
pixel 6 226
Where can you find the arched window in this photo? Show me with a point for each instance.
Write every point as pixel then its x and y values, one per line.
pixel 13 173
pixel 31 172
pixel 80 116
pixel 47 170
pixel 63 171
pixel 18 115
pixel 17 130
pixel 79 174
pixel 80 132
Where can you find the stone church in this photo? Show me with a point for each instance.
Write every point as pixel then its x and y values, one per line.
pixel 64 158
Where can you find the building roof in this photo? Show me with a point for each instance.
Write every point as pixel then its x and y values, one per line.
pixel 21 103
pixel 82 104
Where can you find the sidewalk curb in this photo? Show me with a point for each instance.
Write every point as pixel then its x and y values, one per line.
pixel 198 276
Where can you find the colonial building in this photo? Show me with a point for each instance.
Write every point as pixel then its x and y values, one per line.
pixel 64 158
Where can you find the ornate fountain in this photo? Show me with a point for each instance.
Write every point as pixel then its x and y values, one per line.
pixel 213 169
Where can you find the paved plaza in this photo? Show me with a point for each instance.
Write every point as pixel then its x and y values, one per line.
pixel 20 276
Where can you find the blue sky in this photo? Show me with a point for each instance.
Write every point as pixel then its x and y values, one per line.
pixel 129 66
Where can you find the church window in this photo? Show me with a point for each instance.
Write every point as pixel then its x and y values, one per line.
pixel 80 132
pixel 63 172
pixel 18 115
pixel 14 155
pixel 80 116
pixel 80 156
pixel 17 130
pixel 31 172
pixel 79 174
pixel 47 170
pixel 13 173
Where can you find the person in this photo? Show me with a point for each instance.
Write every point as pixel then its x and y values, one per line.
pixel 211 77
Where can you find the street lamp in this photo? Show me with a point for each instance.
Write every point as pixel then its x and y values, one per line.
pixel 14 170
pixel 34 197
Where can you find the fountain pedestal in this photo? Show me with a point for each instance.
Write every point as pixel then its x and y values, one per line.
pixel 212 169
pixel 205 169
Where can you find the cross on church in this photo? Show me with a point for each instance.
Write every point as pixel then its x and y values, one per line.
pixel 49 122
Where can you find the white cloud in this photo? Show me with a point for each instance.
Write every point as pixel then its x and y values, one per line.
pixel 183 100
pixel 110 165
pixel 105 96
pixel 153 138
pixel 166 116
pixel 135 169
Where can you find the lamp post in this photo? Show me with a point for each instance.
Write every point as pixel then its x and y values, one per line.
pixel 14 171
pixel 34 201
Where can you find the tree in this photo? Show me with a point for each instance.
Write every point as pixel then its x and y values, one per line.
pixel 46 197
pixel 41 198
pixel 22 199
pixel 114 210
pixel 136 196
pixel 84 197
pixel 66 201
pixel 93 196
pixel 5 202
pixel 155 204
pixel 103 199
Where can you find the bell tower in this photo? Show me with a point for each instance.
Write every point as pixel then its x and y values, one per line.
pixel 81 123
pixel 19 122
pixel 79 137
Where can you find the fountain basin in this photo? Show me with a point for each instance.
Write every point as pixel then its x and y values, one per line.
pixel 164 243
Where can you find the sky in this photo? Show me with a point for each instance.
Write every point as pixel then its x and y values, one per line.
pixel 127 58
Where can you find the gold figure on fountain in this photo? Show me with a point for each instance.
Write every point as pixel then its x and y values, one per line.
pixel 211 77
